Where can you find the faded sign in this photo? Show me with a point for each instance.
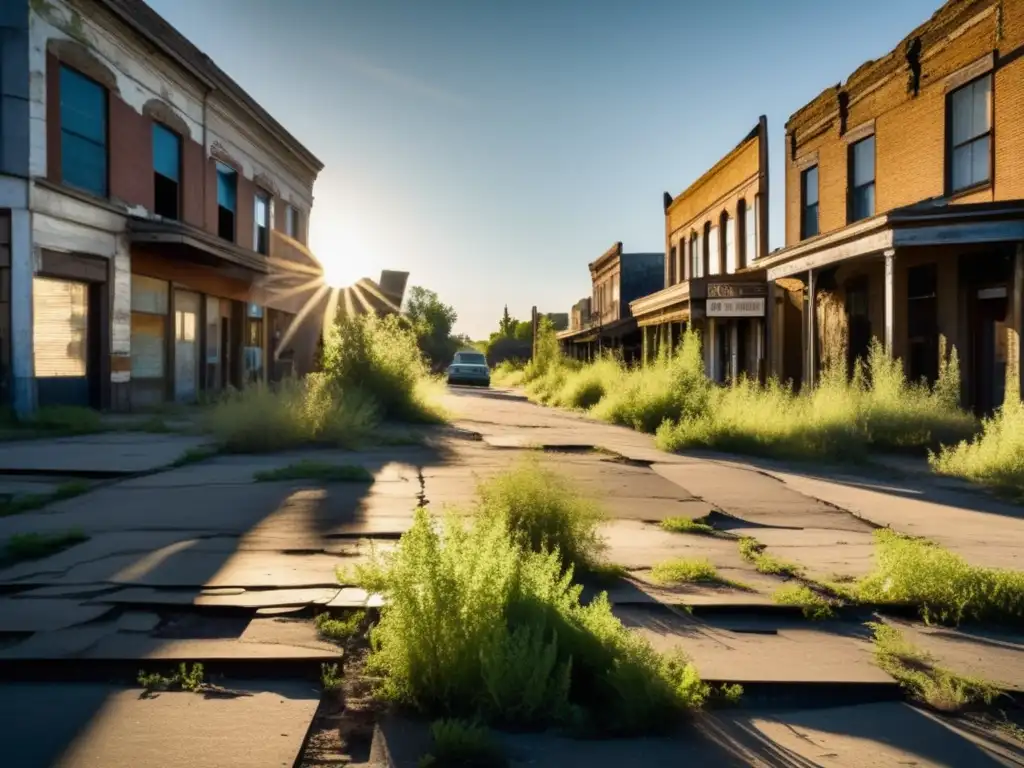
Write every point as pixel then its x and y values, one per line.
pixel 736 290
pixel 735 307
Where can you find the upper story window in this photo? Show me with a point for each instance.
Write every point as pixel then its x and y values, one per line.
pixel 291 221
pixel 227 201
pixel 862 179
pixel 749 233
pixel 809 202
pixel 713 251
pixel 729 225
pixel 261 223
pixel 696 256
pixel 970 135
pixel 166 172
pixel 83 132
pixel 672 266
pixel 615 290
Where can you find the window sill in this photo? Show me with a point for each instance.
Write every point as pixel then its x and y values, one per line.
pixel 968 191
pixel 81 195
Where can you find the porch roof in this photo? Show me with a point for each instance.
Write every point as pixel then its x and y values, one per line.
pixel 196 244
pixel 672 304
pixel 929 223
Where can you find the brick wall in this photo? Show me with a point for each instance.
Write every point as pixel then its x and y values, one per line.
pixel 740 175
pixel 910 130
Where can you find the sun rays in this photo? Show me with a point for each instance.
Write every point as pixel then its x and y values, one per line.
pixel 299 284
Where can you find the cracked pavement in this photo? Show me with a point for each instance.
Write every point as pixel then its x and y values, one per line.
pixel 202 563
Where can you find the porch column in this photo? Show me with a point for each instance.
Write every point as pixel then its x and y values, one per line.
pixel 768 355
pixel 890 300
pixel 811 346
pixel 1014 329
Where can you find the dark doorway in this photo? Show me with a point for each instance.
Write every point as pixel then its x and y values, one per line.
pixel 923 323
pixel 858 323
pixel 989 355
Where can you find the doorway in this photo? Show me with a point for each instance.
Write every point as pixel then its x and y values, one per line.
pixel 990 353
pixel 186 346
pixel 63 342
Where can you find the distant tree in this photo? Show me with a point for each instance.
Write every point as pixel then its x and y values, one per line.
pixel 507 324
pixel 524 330
pixel 432 320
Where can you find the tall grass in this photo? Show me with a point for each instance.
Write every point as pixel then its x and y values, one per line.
pixel 372 370
pixel 995 457
pixel 478 626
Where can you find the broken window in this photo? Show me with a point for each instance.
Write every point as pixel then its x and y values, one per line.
pixel 227 201
pixel 166 171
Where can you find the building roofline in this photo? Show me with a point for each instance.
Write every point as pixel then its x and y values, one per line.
pixel 752 134
pixel 605 258
pixel 158 31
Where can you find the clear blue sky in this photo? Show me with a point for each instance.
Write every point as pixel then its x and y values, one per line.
pixel 493 149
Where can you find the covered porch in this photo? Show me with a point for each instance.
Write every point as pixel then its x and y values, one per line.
pixel 621 337
pixel 923 281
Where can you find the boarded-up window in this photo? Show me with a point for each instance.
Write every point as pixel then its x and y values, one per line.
pixel 60 327
pixel 149 327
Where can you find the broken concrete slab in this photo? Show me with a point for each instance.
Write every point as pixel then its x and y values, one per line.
pixel 354 597
pixel 991 653
pixel 254 599
pixel 101 726
pixel 284 631
pixel 639 590
pixel 825 554
pixel 110 453
pixel 881 734
pixel 135 647
pixel 60 643
pixel 826 652
pixel 45 614
pixel 137 621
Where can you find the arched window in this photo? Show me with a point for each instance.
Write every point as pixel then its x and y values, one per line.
pixel 696 256
pixel 729 231
pixel 712 235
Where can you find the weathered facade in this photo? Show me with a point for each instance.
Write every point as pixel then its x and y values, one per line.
pixel 148 206
pixel 714 235
pixel 904 210
pixel 603 321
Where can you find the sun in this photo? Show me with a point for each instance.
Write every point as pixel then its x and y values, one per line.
pixel 334 273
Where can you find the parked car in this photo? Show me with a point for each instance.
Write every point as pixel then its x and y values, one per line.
pixel 469 368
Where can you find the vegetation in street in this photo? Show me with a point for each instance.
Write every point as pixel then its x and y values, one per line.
pixel 340 630
pixel 372 370
pixel 183 679
pixel 307 469
pixel 479 624
pixel 15 505
pixel 543 512
pixel 994 458
pixel 754 553
pixel 941 584
pixel 33 546
pixel 690 571
pixel 196 455
pixel 843 418
pixel 687 525
pixel 65 420
pixel 917 672
pixel 462 744
pixel 330 677
pixel 813 605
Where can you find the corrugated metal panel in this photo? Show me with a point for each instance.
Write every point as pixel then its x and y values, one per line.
pixel 60 327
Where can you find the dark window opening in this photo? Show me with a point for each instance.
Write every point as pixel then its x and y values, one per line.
pixel 844 111
pixel 227 201
pixel 83 132
pixel 809 202
pixel 672 266
pixel 166 172
pixel 969 117
pixel 261 219
pixel 858 321
pixel 862 179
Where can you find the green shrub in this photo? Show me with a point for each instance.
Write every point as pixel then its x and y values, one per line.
pixel 754 553
pixel 476 626
pixel 380 356
pixel 813 605
pixel 295 412
pixel 543 511
pixel 461 744
pixel 68 419
pixel 680 571
pixel 944 586
pixel 994 458
pixel 307 469
pixel 686 525
pixel 33 546
pixel 508 373
pixel 340 630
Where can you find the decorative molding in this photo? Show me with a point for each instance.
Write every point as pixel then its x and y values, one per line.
pixel 80 58
pixel 806 160
pixel 862 131
pixel 263 181
pixel 218 152
pixel 162 112
pixel 973 70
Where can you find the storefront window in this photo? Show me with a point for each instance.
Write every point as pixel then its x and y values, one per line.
pixel 254 343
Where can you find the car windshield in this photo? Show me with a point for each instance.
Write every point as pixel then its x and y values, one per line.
pixel 470 358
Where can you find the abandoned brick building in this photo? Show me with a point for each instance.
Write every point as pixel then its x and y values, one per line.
pixel 905 209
